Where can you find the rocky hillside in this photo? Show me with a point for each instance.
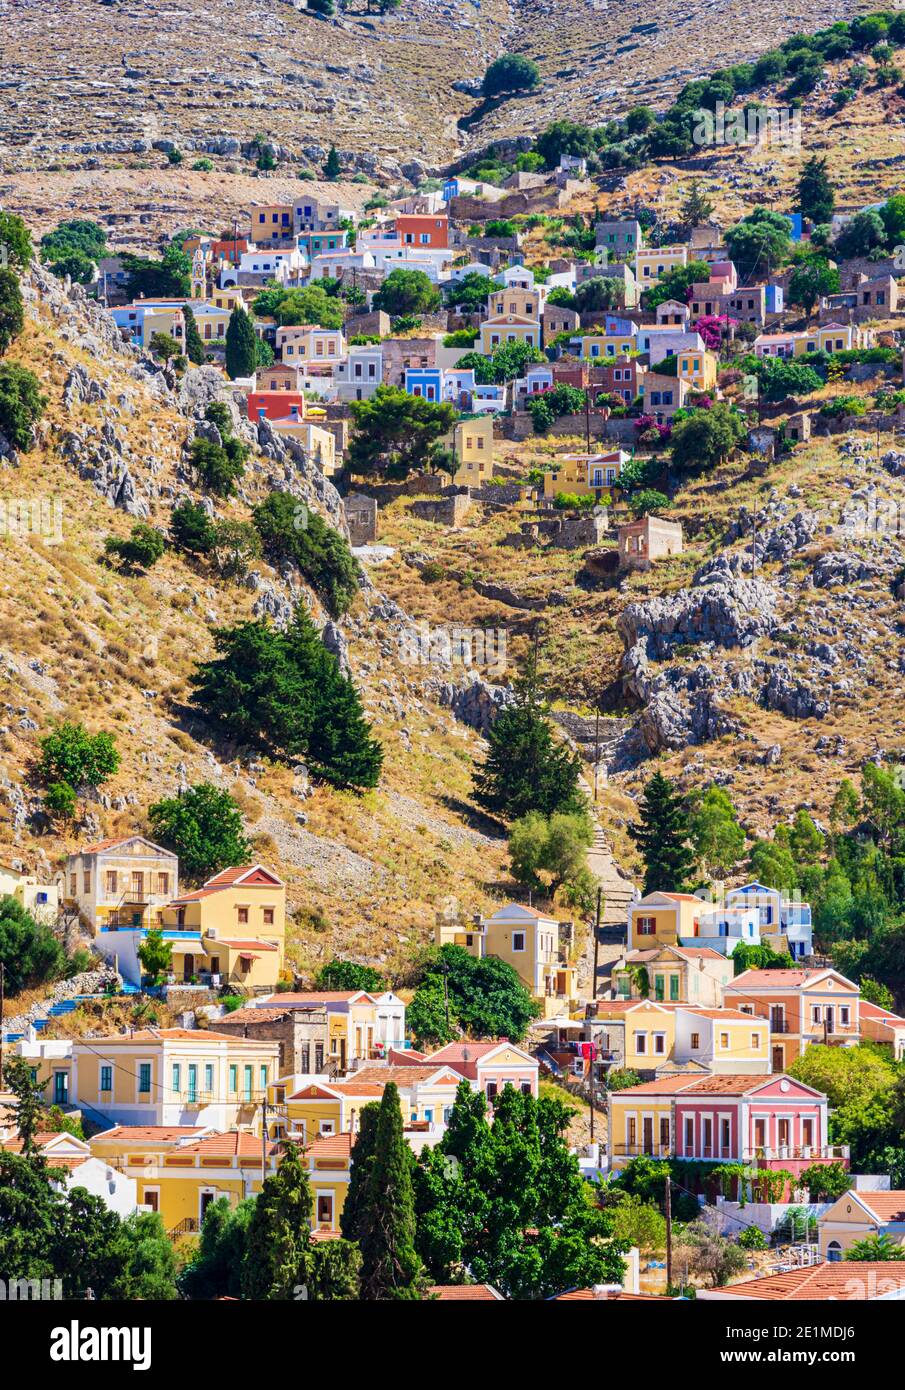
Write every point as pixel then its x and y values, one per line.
pixel 79 639
pixel 391 91
pixel 775 679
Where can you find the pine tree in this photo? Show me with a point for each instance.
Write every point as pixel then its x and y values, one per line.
pixel 279 1233
pixel 332 168
pixel 816 198
pixel 354 1207
pixel 696 206
pixel 241 345
pixel 390 1268
pixel 194 347
pixel 525 768
pixel 28 1107
pixel 661 834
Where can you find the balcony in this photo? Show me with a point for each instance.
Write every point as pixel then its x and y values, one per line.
pixel 197 1099
pixel 641 1150
pixel 779 1025
pixel 802 1153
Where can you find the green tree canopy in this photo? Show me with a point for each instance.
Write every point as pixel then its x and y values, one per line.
pixel 407 292
pixel 22 404
pixel 241 345
pixel 510 73
pixel 390 1267
pixel 661 834
pixel 395 432
pixel 284 691
pixel 204 827
pixel 485 996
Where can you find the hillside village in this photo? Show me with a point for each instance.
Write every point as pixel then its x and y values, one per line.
pixel 452 718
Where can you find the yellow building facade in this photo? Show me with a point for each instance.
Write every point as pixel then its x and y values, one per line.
pixel 473 447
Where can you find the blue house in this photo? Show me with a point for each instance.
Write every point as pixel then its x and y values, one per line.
pixel 424 381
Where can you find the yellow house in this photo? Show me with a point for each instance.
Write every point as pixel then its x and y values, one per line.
pixel 180 1169
pixel 536 947
pixel 42 900
pixel 507 328
pixel 318 442
pixel 832 337
pixel 173 1076
pixel 126 881
pixel 861 1215
pixel 653 262
pixel 329 1159
pixel 724 1041
pixel 210 320
pixel 473 446
pixel 661 919
pixel 584 474
pixel 635 1034
pixel 514 302
pixel 304 343
pixel 698 368
pixel 641 1120
pixel 227 297
pixel 595 345
pixel 237 926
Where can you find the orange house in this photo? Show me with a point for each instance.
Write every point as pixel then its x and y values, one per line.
pixel 803 1006
pixel 415 229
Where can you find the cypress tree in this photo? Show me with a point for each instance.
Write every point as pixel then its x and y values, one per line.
pixel 332 168
pixel 350 1221
pixel 525 768
pixel 661 834
pixel 241 345
pixel 816 197
pixel 194 347
pixel 278 1241
pixel 390 1268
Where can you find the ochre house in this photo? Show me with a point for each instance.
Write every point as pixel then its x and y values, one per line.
pixel 180 1169
pixel 172 1076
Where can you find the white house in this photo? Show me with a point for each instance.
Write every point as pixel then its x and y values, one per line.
pixel 786 919
pixel 72 1157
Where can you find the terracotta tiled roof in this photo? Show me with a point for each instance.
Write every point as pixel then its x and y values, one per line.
pixel 728 1015
pixel 698 952
pixel 234 1143
pixel 323 996
pixel 256 1016
pixel 403 1076
pixel 331 1145
pixel 780 979
pixel 732 1084
pixel 868 1010
pixel 227 877
pixel 859 1282
pixel 464 1293
pixel 465 1051
pixel 152 1134
pixel 886 1206
pixel 148 1035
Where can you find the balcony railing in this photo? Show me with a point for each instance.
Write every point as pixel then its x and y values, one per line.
pixel 196 1099
pixel 807 1152
pixel 779 1025
pixel 637 1150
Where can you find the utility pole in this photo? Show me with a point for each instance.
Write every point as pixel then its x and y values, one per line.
pixel 668 1232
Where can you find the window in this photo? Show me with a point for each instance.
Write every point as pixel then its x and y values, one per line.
pixel 73 885
pixel 86 883
pixel 176 1077
pixel 243 914
pixel 833 1252
pixel 724 1041
pixel 844 1015
pixel 325 1209
pixel 755 1041
pixel 724 1136
pixel 193 1083
pixel 673 987
pixel 163 884
pixel 249 1081
pixel 233 1078
pixel 263 1077
pixel 658 986
pixel 106 1078
pixel 491 1090
pixel 144 1078
pixel 327 1127
pixel 525 1088
pixel 695 1041
pixel 268 916
pixel 111 881
pixel 664 1131
pixel 518 941
pixel 807 1133
pixel 660 1043
pixel 641 1044
pixel 689 1134
pixel 209 1078
pixel 646 926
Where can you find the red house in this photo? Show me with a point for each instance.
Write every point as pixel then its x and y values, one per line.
pixel 276 405
pixel 416 229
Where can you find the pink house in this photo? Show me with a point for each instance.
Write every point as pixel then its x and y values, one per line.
pixel 489 1066
pixel 766 1121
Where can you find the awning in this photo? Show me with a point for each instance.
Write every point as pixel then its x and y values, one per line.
pixel 185 948
pixel 248 955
